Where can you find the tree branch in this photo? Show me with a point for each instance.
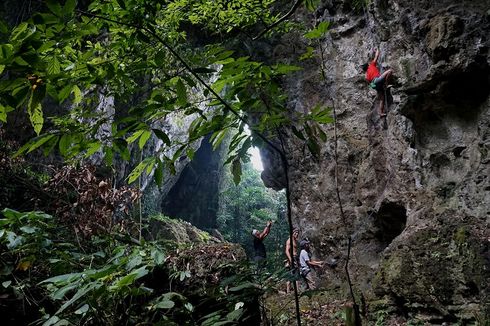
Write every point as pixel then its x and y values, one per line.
pixel 280 20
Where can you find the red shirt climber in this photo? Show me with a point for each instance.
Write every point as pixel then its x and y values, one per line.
pixel 377 81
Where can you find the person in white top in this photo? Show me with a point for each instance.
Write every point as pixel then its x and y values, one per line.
pixel 306 263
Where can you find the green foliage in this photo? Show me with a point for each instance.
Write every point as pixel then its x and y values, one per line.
pixel 249 205
pixel 68 56
pixel 381 318
pixel 108 282
pixel 319 31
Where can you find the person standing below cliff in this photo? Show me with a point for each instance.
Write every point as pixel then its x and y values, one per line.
pixel 378 81
pixel 306 264
pixel 259 247
pixel 292 262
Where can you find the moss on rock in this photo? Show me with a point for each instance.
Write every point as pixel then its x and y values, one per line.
pixel 438 274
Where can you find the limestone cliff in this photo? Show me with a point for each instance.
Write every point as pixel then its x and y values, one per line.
pixel 415 186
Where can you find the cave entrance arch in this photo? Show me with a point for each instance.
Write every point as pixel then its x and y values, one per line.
pixel 194 197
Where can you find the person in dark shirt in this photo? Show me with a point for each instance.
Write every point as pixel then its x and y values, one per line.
pixel 259 247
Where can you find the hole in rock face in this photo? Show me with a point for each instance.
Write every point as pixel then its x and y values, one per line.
pixel 389 221
pixel 458 150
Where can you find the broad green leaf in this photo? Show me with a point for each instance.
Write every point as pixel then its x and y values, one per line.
pixel 6 51
pixel 50 145
pixel 53 66
pixel 69 7
pixel 46 46
pixel 61 292
pixel 34 144
pixel 144 138
pixel 92 148
pixel 189 306
pixel 284 69
pixel 190 152
pixel 3 113
pixel 79 294
pixel 136 260
pixel 130 278
pixel 321 114
pixel 20 61
pixel 135 136
pixel 34 109
pixel 47 18
pixel 308 54
pixel 159 174
pixel 2 68
pixel 82 310
pixel 321 134
pixel 51 321
pixel 158 256
pixel 28 229
pixel 235 315
pixel 150 165
pixel 160 58
pixel 14 240
pixel 77 95
pixel 64 144
pixel 64 93
pixel 18 31
pixel 297 133
pixel 246 285
pixel 164 304
pixel 6 284
pixel 125 281
pixel 313 147
pixel 13 215
pixel 319 31
pixel 108 155
pixel 54 6
pixel 218 137
pixel 162 136
pixel 140 168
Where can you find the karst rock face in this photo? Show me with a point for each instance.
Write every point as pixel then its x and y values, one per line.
pixel 415 186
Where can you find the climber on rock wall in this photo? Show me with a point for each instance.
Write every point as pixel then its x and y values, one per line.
pixel 378 81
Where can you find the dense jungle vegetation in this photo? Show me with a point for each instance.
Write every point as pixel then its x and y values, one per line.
pixel 86 85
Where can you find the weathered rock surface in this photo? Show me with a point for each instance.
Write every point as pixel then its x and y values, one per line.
pixel 415 187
